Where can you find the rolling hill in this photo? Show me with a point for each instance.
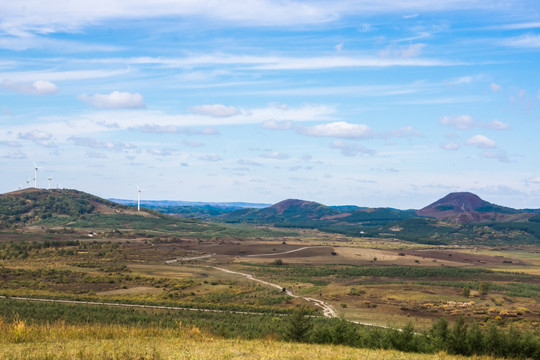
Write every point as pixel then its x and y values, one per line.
pixel 466 207
pixel 458 218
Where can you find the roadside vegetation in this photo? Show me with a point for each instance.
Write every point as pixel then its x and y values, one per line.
pixel 29 323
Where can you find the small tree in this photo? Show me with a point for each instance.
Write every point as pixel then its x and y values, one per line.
pixel 466 291
pixel 457 340
pixel 439 334
pixel 298 325
pixel 483 287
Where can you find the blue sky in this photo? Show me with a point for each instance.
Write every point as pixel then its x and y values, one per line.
pixel 372 103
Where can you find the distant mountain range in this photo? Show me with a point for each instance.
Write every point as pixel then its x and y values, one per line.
pixel 163 203
pixel 458 218
pixel 191 209
pixel 452 219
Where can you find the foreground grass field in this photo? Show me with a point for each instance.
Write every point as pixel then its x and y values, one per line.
pixel 103 342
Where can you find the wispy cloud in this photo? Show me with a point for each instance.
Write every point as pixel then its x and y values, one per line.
pixel 499 155
pixel 481 141
pixel 339 129
pixel 159 129
pixel 452 145
pixel 461 122
pixel 39 137
pixel 68 75
pixel 210 157
pixel 276 155
pixel 516 26
pixel 466 122
pixel 97 144
pixel 26 17
pixel 114 100
pixel 533 180
pixel 16 155
pixel 204 131
pixel 217 110
pixel 249 162
pixel 495 87
pixel 348 149
pixel 39 87
pixel 523 41
pixel 282 62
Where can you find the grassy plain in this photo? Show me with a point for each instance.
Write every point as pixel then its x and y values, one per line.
pixel 126 258
pixel 20 341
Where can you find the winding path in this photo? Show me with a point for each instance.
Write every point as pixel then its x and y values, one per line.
pixel 189 258
pixel 328 310
pixel 287 252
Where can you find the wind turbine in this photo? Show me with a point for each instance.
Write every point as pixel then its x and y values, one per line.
pixel 139 191
pixel 27 184
pixel 50 179
pixel 35 173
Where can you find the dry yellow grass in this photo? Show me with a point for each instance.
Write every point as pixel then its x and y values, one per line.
pixel 40 342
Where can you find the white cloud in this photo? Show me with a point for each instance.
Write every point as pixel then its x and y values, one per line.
pixel 351 149
pixel 452 145
pixel 495 87
pixel 413 50
pixel 114 100
pixel 462 122
pixel 159 129
pixel 284 63
pixel 39 87
pixel 18 43
pixel 161 152
pixel 339 129
pixel 403 52
pixel 217 110
pixel 498 125
pixel 329 62
pixel 205 131
pixel 275 155
pixel 278 125
pixel 96 144
pixel 339 47
pixel 481 141
pixel 534 180
pixel 39 137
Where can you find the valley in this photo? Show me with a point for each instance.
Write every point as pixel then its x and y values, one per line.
pixel 79 251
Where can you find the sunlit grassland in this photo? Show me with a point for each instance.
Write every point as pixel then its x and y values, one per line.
pixel 19 341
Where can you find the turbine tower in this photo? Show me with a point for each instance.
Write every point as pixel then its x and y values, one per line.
pixel 50 179
pixel 139 191
pixel 35 173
